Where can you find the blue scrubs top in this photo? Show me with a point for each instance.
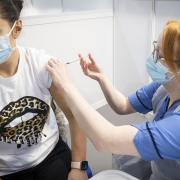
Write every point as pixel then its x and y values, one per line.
pixel 160 138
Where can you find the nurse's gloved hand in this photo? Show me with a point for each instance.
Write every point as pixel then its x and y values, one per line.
pixel 90 68
pixel 59 74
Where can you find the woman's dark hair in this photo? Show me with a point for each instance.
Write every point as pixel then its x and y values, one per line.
pixel 10 10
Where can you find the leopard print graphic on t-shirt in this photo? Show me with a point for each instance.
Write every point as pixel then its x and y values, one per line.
pixel 28 131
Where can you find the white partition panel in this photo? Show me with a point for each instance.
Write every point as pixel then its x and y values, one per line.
pixel 82 5
pixel 165 11
pixel 133 34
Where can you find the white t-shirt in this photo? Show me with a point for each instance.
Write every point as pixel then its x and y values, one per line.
pixel 28 127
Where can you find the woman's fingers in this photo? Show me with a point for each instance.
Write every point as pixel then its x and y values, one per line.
pixel 91 59
pixel 55 62
pixel 86 65
pixel 80 56
pixel 50 69
pixel 83 62
pixel 51 63
pixel 86 70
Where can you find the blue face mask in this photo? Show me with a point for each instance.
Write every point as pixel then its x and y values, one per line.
pixel 5 47
pixel 157 71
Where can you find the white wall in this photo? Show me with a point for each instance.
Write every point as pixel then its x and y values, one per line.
pixel 165 11
pixel 137 24
pixel 57 7
pixel 132 43
pixel 68 35
pixel 81 5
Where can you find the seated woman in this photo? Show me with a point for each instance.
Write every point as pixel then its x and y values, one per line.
pixel 30 145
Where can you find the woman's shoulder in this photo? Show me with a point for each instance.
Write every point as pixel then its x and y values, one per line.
pixel 34 56
pixel 32 52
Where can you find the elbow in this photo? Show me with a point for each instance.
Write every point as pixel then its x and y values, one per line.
pixel 124 108
pixel 116 110
pixel 120 112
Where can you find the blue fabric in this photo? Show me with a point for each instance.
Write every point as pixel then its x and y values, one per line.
pixel 89 173
pixel 141 101
pixel 166 135
pixel 163 131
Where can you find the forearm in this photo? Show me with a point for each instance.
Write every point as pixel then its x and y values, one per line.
pixel 78 142
pixel 117 100
pixel 93 124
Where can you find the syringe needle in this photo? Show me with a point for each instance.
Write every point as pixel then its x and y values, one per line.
pixel 70 62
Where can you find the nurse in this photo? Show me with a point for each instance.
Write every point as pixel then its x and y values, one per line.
pixel 157 141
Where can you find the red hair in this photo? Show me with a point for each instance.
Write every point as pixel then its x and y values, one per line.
pixel 171 36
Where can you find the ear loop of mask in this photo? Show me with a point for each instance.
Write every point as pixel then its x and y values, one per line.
pixel 12 29
pixel 13 48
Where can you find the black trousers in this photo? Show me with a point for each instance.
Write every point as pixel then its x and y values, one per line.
pixel 56 166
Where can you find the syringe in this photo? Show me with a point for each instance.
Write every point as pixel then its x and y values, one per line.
pixel 70 62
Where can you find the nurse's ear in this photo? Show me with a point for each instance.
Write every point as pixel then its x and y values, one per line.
pixel 17 29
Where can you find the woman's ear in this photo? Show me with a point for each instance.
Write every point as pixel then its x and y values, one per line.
pixel 17 29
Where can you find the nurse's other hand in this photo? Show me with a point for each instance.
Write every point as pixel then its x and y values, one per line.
pixel 59 74
pixel 90 68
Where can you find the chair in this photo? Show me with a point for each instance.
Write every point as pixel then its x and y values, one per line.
pixel 113 175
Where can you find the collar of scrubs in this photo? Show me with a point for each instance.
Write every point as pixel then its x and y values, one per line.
pixel 164 111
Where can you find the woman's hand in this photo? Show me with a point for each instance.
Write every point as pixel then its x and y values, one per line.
pixel 59 74
pixel 76 174
pixel 90 68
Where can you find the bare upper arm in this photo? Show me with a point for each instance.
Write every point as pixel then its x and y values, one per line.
pixel 59 99
pixel 123 140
